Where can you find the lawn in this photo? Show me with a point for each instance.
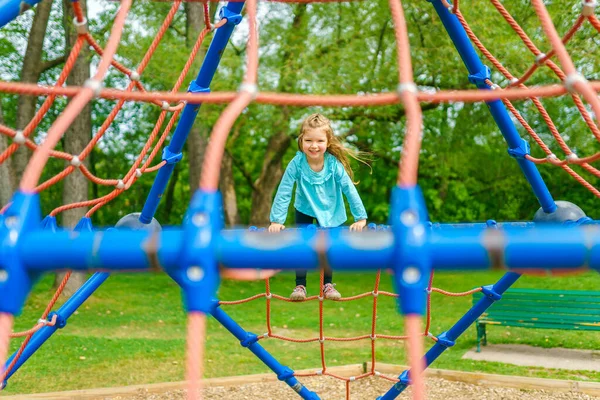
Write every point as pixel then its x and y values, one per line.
pixel 133 330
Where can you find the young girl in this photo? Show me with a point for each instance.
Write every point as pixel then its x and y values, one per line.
pixel 322 172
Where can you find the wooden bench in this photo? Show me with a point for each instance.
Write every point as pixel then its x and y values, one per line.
pixel 542 309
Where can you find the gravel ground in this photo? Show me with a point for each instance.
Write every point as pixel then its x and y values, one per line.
pixel 371 388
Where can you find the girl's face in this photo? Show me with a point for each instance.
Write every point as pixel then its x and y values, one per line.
pixel 314 144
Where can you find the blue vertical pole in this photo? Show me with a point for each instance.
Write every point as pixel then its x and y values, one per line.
pixel 172 153
pixel 478 73
pixel 447 339
pixel 11 9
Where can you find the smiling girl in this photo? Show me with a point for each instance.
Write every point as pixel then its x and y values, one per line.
pixel 321 171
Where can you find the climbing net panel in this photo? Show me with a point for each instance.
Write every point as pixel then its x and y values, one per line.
pixel 502 85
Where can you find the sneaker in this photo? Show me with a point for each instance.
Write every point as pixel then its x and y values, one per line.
pixel 330 292
pixel 299 293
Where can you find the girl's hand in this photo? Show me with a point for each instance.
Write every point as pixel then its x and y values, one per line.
pixel 358 225
pixel 275 227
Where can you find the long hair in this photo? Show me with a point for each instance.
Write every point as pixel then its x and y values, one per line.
pixel 334 145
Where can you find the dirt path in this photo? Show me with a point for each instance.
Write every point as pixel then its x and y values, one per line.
pixel 332 389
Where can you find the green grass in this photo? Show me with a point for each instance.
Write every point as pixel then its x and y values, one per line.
pixel 133 331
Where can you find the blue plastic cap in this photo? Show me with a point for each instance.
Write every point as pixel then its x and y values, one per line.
pixel 480 77
pixel 521 151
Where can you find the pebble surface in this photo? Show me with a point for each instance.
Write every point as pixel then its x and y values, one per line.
pixel 369 388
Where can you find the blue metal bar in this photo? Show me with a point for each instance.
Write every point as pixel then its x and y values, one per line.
pixel 478 72
pixel 11 9
pixel 250 341
pixel 542 247
pixel 447 339
pixel 64 312
pixel 190 111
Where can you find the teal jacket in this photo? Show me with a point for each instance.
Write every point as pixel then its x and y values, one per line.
pixel 318 194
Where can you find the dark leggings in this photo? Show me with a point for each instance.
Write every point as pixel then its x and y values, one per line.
pixel 303 220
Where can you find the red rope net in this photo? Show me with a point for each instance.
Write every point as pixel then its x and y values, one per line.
pixel 582 92
pixel 372 336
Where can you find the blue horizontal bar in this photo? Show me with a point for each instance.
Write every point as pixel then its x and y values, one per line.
pixel 543 247
pixel 11 9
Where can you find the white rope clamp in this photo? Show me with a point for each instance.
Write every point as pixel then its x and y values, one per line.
pixel 19 138
pixel 319 372
pixel 120 184
pixel 551 156
pixel 377 373
pixel 250 88
pixel 269 296
pixel 75 161
pixel 165 105
pixel 514 81
pixel 321 340
pixel 138 172
pixel 352 378
pixel 495 86
pixel 95 85
pixel 429 334
pixel 134 76
pixel 320 298
pixel 572 157
pixel 406 87
pixel 43 321
pixel 373 337
pixel 265 335
pixel 588 7
pixel 374 293
pixel 539 59
pixel 572 79
pixel 81 27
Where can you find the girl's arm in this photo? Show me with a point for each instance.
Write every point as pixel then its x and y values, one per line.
pixel 283 197
pixel 356 205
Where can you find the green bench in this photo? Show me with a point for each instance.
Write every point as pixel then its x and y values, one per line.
pixel 542 309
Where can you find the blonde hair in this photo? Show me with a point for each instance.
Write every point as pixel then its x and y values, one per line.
pixel 334 145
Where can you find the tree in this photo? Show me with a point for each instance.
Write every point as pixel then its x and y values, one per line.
pixel 7 181
pixel 78 135
pixel 30 73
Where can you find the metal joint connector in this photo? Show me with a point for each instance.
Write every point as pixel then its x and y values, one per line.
pixel 19 138
pixel 572 79
pixel 406 87
pixel 250 88
pixel 95 85
pixel 75 161
pixel 540 59
pixel 588 8
pixel 81 27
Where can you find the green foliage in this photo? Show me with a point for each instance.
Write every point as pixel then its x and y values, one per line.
pixel 344 48
pixel 132 331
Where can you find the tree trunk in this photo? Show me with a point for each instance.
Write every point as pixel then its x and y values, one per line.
pixel 198 137
pixel 31 74
pixel 196 143
pixel 227 188
pixel 77 136
pixel 272 171
pixel 7 183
